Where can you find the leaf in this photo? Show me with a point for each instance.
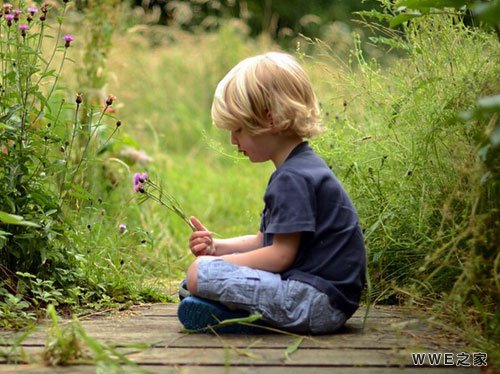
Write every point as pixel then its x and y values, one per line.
pixel 5 127
pixel 25 275
pixel 12 219
pixel 403 17
pixel 373 14
pixel 10 113
pixel 426 4
pixel 4 234
pixel 293 347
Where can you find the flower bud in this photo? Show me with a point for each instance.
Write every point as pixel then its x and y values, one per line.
pixel 110 99
pixel 16 12
pixel 23 27
pixel 68 39
pixel 79 98
pixel 9 18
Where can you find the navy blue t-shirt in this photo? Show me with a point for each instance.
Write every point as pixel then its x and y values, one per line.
pixel 303 195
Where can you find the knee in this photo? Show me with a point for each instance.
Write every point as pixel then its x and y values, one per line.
pixel 192 278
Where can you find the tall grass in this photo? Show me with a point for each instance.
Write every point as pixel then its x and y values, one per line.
pixel 413 168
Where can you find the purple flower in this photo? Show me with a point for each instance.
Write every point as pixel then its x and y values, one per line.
pixel 122 228
pixel 139 179
pixel 136 178
pixel 32 10
pixel 68 39
pixel 9 17
pixel 23 27
pixel 6 8
pixel 16 12
pixel 139 187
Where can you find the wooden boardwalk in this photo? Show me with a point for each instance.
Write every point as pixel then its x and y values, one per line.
pixel 385 346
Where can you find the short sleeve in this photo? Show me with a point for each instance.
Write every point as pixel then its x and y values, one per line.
pixel 290 204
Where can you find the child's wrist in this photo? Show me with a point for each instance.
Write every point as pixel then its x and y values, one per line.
pixel 213 249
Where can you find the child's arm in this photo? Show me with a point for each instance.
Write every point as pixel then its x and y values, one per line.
pixel 238 244
pixel 202 243
pixel 274 258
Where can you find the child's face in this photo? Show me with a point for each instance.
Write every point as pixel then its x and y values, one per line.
pixel 258 148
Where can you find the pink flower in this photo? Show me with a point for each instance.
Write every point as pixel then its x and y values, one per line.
pixel 122 228
pixel 16 12
pixel 68 39
pixel 23 27
pixel 9 17
pixel 32 10
pixel 139 179
pixel 6 8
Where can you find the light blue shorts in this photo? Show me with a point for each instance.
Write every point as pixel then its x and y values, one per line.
pixel 287 304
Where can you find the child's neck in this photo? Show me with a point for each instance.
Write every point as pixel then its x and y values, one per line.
pixel 286 145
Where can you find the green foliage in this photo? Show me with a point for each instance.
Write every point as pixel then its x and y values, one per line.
pixel 99 23
pixel 425 182
pixel 485 11
pixel 14 310
pixel 28 204
pixel 52 150
pixel 68 344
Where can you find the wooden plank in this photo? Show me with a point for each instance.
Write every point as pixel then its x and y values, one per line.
pixel 384 346
pixel 268 357
pixel 162 333
pixel 135 327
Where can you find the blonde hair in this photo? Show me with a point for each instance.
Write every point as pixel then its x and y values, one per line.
pixel 267 89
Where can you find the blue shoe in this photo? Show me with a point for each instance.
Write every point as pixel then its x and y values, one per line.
pixel 183 290
pixel 202 315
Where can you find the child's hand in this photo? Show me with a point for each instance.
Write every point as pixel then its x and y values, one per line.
pixel 200 241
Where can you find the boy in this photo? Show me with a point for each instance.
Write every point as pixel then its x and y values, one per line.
pixel 304 270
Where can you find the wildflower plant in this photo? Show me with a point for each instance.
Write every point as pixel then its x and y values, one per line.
pixel 150 190
pixel 48 149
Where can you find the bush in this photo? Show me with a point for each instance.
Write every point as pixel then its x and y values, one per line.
pixel 427 198
pixel 52 187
